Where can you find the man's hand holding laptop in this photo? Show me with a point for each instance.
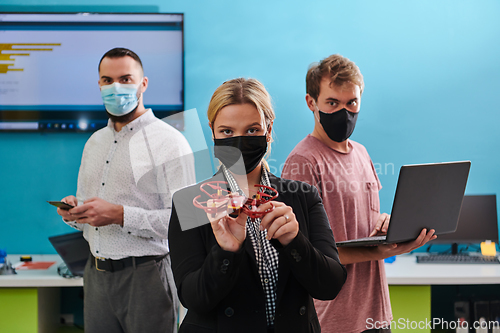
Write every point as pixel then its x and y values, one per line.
pixel 389 250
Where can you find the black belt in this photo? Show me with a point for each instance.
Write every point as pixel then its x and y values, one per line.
pixel 110 265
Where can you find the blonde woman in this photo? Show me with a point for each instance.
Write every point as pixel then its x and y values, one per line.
pixel 238 274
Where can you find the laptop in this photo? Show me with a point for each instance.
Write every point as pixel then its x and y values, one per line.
pixel 427 196
pixel 73 249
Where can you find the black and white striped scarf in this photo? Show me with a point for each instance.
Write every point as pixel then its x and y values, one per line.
pixel 265 253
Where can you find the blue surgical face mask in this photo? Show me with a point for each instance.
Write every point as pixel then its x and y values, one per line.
pixel 119 99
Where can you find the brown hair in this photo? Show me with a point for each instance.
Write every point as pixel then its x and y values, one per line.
pixel 338 69
pixel 120 52
pixel 242 91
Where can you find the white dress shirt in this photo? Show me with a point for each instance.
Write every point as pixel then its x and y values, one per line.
pixel 139 168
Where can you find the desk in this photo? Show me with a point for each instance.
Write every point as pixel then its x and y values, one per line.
pixel 410 285
pixel 30 300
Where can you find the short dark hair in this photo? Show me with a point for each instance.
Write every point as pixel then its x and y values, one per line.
pixel 337 69
pixel 120 52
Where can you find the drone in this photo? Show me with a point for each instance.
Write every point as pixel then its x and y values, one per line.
pixel 223 202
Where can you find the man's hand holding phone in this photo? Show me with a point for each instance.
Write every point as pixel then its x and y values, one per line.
pixel 66 215
pixel 94 211
pixel 97 213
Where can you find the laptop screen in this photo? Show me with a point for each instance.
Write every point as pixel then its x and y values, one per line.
pixel 73 249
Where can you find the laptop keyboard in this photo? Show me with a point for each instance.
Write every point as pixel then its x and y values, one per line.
pixel 456 259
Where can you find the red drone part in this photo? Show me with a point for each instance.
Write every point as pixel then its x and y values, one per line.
pixel 224 202
pixel 251 205
pixel 219 201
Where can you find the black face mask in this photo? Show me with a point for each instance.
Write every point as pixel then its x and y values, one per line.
pixel 338 125
pixel 230 150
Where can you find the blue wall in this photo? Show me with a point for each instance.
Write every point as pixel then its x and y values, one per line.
pixel 431 71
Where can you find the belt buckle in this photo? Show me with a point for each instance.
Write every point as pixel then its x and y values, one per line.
pixel 96 266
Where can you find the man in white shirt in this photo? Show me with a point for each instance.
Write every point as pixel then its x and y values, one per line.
pixel 128 173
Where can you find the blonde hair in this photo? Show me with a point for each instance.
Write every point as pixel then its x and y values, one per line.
pixel 243 91
pixel 338 69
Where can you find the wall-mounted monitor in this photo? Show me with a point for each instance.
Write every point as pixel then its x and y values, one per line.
pixel 49 67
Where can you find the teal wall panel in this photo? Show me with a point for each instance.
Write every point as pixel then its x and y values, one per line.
pixel 431 71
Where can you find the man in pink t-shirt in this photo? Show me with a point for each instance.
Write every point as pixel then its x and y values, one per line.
pixel 344 174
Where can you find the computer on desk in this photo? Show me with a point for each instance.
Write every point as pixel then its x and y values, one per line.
pixel 73 249
pixel 477 222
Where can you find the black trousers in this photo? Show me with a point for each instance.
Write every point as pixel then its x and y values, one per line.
pixel 140 298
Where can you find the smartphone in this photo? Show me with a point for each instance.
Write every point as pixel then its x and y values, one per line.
pixel 61 205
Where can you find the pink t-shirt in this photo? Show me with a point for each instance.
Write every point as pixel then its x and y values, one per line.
pixel 349 186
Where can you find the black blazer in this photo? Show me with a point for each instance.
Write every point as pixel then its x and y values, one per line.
pixel 222 290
